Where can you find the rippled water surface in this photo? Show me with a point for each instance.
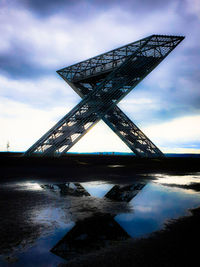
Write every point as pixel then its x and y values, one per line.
pixel 48 224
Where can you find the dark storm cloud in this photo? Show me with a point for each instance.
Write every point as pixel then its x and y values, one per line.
pixel 50 36
pixel 18 60
pixel 16 64
pixel 83 8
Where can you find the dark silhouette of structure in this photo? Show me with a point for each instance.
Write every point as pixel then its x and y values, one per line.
pixel 98 231
pixel 102 81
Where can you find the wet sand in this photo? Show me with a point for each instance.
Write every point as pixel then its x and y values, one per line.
pixel 176 245
pixel 28 213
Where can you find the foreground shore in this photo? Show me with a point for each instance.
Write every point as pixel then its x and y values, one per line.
pixel 176 245
pixel 28 207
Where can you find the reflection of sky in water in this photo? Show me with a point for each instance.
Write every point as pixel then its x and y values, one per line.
pixel 179 179
pixel 39 254
pixel 25 186
pixel 153 206
pixel 51 216
pixel 97 189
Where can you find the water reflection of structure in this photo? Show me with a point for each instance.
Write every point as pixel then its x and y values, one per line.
pixel 73 189
pixel 124 193
pixel 89 235
pixel 97 231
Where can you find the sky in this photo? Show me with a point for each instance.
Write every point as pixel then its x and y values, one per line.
pixel 39 37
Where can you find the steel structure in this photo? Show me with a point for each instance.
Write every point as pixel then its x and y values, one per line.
pixel 102 81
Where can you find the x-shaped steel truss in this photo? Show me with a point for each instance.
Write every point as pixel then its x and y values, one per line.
pixel 102 81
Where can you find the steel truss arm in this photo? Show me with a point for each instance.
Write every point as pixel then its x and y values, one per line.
pixel 130 134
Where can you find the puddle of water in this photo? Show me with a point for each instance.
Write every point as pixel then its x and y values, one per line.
pixel 26 186
pixel 154 206
pixel 116 166
pixel 80 218
pixel 39 254
pixel 178 180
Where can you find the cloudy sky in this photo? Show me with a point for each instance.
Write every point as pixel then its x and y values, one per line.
pixel 39 37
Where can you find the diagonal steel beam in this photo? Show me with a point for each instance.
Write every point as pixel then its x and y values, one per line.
pixel 127 131
pixel 107 79
pixel 130 134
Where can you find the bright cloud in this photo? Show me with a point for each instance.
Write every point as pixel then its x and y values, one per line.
pixel 22 125
pixel 177 133
pixel 102 139
pixel 44 92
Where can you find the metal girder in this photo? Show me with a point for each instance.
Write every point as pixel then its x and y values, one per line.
pixel 103 81
pixel 130 134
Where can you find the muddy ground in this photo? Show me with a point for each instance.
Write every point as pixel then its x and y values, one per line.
pixel 176 245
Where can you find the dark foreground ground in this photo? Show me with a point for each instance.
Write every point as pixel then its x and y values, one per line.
pixel 176 245
pixel 81 167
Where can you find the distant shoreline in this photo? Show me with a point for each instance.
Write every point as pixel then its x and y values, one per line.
pixel 179 155
pixel 89 167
